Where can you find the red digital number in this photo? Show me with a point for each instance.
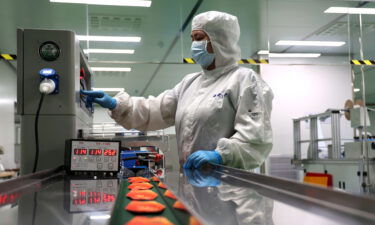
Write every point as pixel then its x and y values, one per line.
pixel 95 152
pixel 79 201
pixel 95 197
pixel 8 198
pixel 3 199
pixel 108 197
pixel 81 197
pixel 80 151
pixel 110 152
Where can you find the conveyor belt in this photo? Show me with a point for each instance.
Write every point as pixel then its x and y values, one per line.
pixel 214 196
pixel 121 216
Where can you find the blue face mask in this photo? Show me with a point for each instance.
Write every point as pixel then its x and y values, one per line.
pixel 200 54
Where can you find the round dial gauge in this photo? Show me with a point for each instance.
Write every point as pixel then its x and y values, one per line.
pixel 49 51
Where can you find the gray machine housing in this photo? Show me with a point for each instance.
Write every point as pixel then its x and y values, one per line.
pixel 63 115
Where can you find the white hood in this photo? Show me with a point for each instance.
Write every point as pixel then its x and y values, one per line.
pixel 224 32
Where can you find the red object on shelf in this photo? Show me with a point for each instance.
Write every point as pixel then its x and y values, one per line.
pixel 159 172
pixel 82 73
pixel 158 157
pixel 324 179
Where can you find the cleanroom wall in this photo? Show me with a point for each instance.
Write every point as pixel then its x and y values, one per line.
pixel 301 90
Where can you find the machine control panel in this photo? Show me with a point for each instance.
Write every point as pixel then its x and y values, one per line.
pixel 94 156
pixel 91 195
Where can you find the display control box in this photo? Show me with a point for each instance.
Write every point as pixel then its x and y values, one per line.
pixel 90 195
pixel 93 156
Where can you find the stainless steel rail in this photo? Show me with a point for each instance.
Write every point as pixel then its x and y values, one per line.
pixel 324 201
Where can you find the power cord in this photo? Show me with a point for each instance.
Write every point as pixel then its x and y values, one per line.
pixel 35 200
pixel 36 130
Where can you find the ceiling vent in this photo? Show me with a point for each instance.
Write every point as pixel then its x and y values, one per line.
pixel 115 23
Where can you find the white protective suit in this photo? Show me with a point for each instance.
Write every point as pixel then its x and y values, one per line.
pixel 227 108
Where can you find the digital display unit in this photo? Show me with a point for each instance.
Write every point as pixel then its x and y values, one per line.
pixel 93 156
pixel 91 195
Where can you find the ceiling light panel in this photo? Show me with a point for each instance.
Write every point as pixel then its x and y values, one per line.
pixel 347 10
pixel 311 43
pixel 294 55
pixel 263 52
pixel 137 3
pixel 110 51
pixel 108 38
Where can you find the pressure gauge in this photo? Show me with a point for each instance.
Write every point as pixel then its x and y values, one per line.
pixel 49 51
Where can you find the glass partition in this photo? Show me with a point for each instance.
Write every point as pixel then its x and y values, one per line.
pixel 335 74
pixel 164 29
pixel 363 92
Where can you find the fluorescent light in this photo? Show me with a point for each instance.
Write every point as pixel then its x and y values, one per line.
pixel 294 55
pixel 139 3
pixel 289 55
pixel 108 38
pixel 112 69
pixel 114 51
pixel 100 217
pixel 356 90
pixel 347 10
pixel 263 52
pixel 311 43
pixel 6 101
pixel 109 89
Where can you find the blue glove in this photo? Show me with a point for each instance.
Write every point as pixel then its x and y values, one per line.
pixel 198 178
pixel 200 157
pixel 99 97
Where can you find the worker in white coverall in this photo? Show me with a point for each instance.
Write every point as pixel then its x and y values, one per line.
pixel 221 114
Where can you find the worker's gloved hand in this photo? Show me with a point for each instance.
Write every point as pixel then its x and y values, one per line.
pixel 200 178
pixel 99 97
pixel 200 157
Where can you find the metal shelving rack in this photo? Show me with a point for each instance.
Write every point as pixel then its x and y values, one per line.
pixel 334 114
